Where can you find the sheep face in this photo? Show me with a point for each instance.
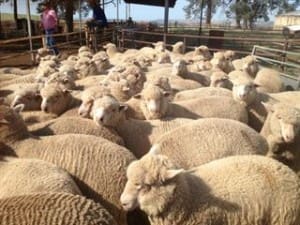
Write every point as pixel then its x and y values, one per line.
pixel 178 47
pixel 11 123
pixel 30 98
pixel 151 182
pixel 154 104
pixel 284 122
pixel 179 68
pixel 85 108
pixel 55 99
pixel 229 55
pixel 244 92
pixel 107 111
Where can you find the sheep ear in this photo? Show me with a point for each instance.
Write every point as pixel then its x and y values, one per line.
pixel 269 107
pixel 123 108
pixel 170 174
pixel 19 108
pixel 154 150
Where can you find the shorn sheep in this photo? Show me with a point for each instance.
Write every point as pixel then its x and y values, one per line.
pixel 238 190
pixel 210 139
pixel 27 176
pixel 53 209
pixel 78 154
pixel 282 131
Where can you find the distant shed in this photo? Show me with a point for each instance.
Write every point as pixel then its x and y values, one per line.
pixel 287 19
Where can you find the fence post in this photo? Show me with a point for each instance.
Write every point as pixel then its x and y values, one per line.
pixel 184 44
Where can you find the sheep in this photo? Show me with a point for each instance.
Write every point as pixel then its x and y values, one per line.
pixel 42 52
pixel 245 92
pixel 230 191
pixel 282 131
pixel 80 155
pixel 219 61
pixel 88 96
pixel 155 105
pixel 237 76
pixel 84 49
pixel 74 125
pixel 85 67
pixel 225 138
pixel 57 100
pixel 30 78
pixel 178 47
pixel 201 52
pixel 27 94
pixel 27 176
pixel 220 79
pixel 291 97
pixel 109 112
pixel 269 81
pixel 52 209
pixel 202 92
pixel 247 64
pixel 62 79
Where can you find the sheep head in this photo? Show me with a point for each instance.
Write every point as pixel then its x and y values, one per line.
pixel 245 92
pixel 108 111
pixel 250 65
pixel 29 96
pixel 151 183
pixel 55 99
pixel 284 122
pixel 220 79
pixel 178 47
pixel 154 102
pixel 204 51
pixel 12 125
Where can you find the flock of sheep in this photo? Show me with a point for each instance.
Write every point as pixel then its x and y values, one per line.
pixel 188 138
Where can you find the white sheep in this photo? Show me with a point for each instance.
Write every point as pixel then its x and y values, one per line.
pixel 80 155
pixel 269 81
pixel 27 176
pixel 237 190
pixel 210 139
pixel 282 131
pixel 53 209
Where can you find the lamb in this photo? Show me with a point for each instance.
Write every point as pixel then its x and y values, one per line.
pixel 230 191
pixel 202 92
pixel 74 125
pixel 282 131
pixel 57 100
pixel 52 209
pixel 109 112
pixel 80 155
pixel 28 176
pixel 225 138
pixel 269 81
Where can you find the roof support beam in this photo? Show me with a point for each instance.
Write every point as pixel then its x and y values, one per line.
pixel 166 22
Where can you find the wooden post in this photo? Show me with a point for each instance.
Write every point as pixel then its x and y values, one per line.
pixel 166 22
pixel 29 30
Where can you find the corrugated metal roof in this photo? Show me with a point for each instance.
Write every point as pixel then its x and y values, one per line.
pixel 152 2
pixel 294 13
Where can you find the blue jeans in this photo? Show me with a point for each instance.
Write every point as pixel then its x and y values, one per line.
pixel 50 40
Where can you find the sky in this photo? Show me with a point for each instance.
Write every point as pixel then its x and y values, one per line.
pixel 138 12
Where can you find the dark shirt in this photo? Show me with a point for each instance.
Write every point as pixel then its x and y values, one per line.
pixel 98 14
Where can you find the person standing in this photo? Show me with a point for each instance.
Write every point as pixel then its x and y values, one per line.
pixel 99 18
pixel 49 23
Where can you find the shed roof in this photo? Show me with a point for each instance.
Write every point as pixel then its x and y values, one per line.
pixel 152 2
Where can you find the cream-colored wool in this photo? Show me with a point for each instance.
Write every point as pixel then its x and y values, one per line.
pixel 282 131
pixel 247 64
pixel 238 190
pixel 27 176
pixel 96 164
pixel 205 140
pixel 138 135
pixel 202 92
pixel 74 125
pixel 220 79
pixel 290 97
pixel 30 78
pixel 269 81
pixel 53 209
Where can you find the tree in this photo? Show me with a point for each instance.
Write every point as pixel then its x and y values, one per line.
pixel 249 11
pixel 193 9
